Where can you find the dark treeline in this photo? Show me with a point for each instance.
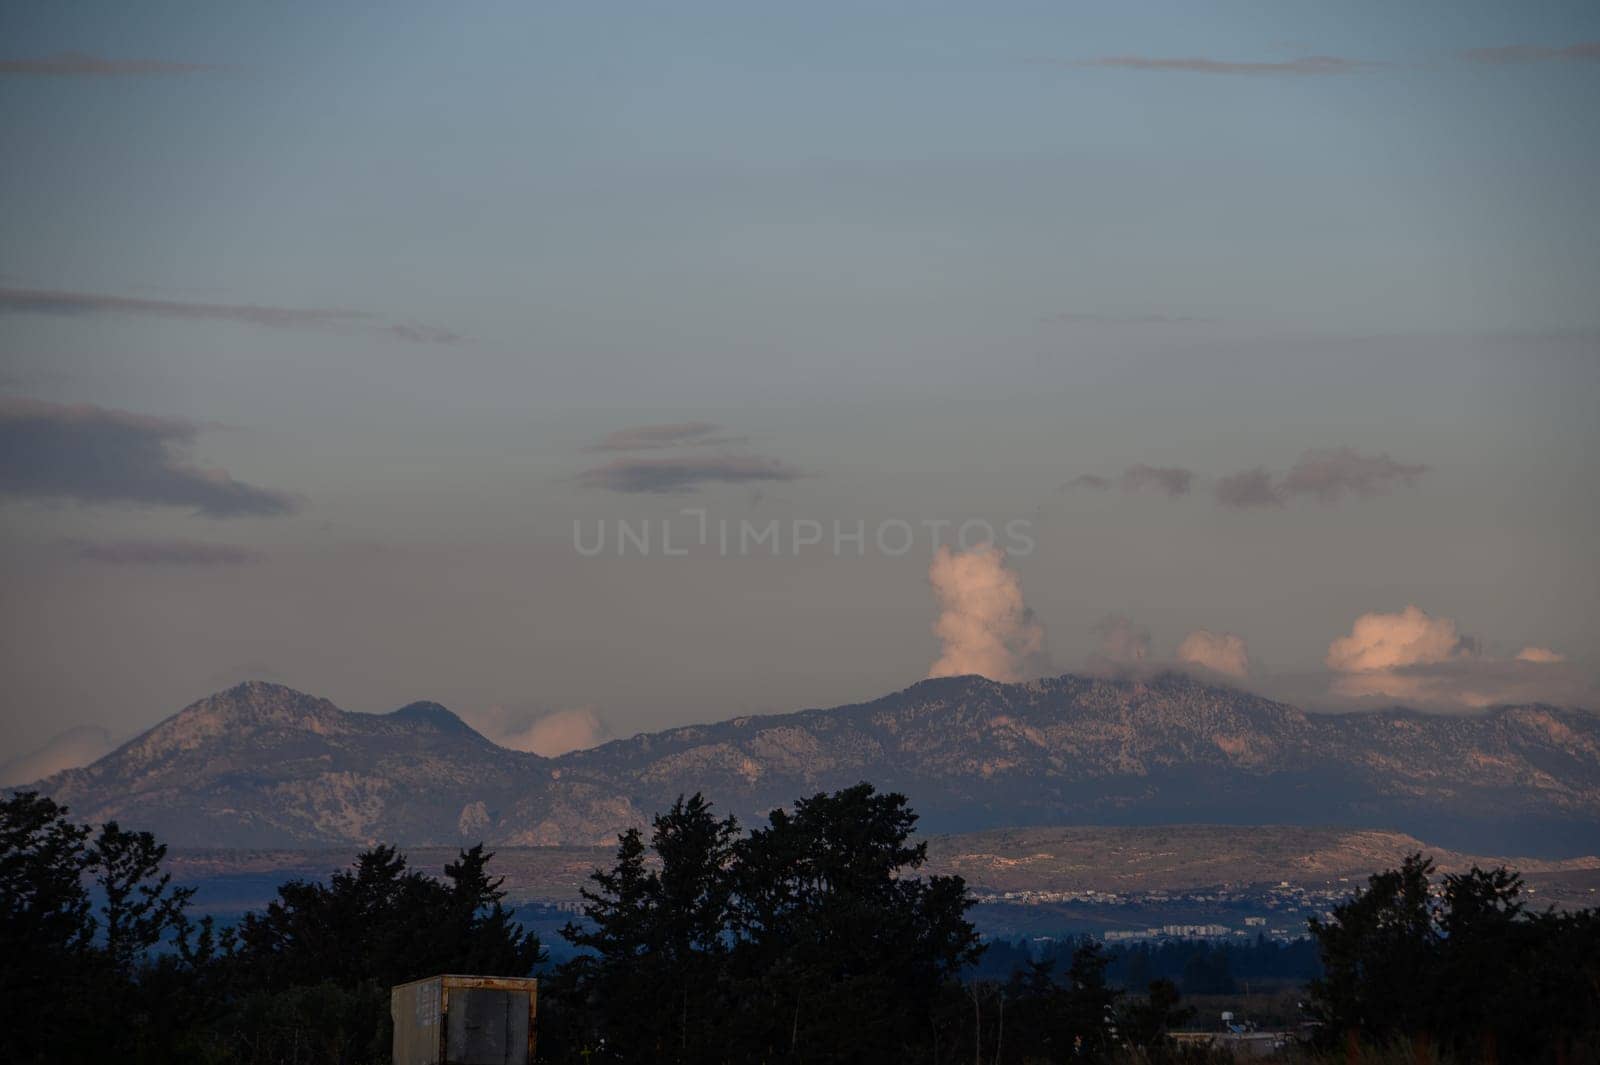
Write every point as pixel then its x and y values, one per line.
pixel 1459 966
pixel 811 938
pixel 1196 966
pixel 99 961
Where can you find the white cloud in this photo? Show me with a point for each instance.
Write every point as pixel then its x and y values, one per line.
pixel 1414 658
pixel 1219 652
pixel 548 734
pixel 984 627
pixel 1379 641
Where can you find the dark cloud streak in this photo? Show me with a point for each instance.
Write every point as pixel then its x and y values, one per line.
pixel 72 304
pixel 1171 480
pixel 1248 488
pixel 685 474
pixel 1329 475
pixel 83 65
pixel 99 455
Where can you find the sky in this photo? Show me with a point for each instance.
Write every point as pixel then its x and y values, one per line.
pixel 360 349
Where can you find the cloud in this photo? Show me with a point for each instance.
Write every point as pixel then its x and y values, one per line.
pixel 165 553
pixel 1424 661
pixel 1172 480
pixel 685 474
pixel 657 437
pixel 1147 318
pixel 71 749
pixel 1123 644
pixel 83 65
pixel 1327 474
pixel 984 627
pixel 548 734
pixel 1305 65
pixel 418 333
pixel 74 304
pixel 1248 488
pixel 1412 637
pixel 1222 653
pixel 100 455
pixel 1330 474
pixel 1585 52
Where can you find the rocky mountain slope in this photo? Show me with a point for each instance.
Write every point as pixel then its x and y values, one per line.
pixel 263 765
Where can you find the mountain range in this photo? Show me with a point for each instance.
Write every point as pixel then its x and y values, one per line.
pixel 262 765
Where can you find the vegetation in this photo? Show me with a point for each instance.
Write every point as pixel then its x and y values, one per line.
pixel 810 939
pixel 1461 967
pixel 803 940
pixel 102 963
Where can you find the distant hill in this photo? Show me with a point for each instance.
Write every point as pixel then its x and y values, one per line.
pixel 1045 858
pixel 1184 857
pixel 261 765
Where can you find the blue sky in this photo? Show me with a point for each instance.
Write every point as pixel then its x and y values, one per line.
pixel 931 259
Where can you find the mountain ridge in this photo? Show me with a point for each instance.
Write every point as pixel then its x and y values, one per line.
pixel 264 765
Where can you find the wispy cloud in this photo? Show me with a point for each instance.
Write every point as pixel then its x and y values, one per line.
pixel 1326 65
pixel 101 455
pixel 1311 65
pixel 63 303
pixel 1331 474
pixel 1136 318
pixel 1248 488
pixel 1172 481
pixel 164 553
pixel 1124 645
pixel 660 437
pixel 418 333
pixel 1585 52
pixel 84 65
pixel 1327 475
pixel 685 473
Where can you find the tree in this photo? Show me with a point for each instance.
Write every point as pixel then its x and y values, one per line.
pixel 1089 1001
pixel 47 928
pixel 1377 950
pixel 1147 1024
pixel 75 974
pixel 654 982
pixel 1469 971
pixel 316 966
pixel 805 940
pixel 840 952
pixel 141 906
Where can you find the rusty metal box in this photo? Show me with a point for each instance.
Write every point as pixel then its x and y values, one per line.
pixel 465 1020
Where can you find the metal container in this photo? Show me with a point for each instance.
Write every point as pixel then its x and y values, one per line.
pixel 465 1020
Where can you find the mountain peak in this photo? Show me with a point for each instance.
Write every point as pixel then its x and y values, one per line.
pixel 433 714
pixel 262 764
